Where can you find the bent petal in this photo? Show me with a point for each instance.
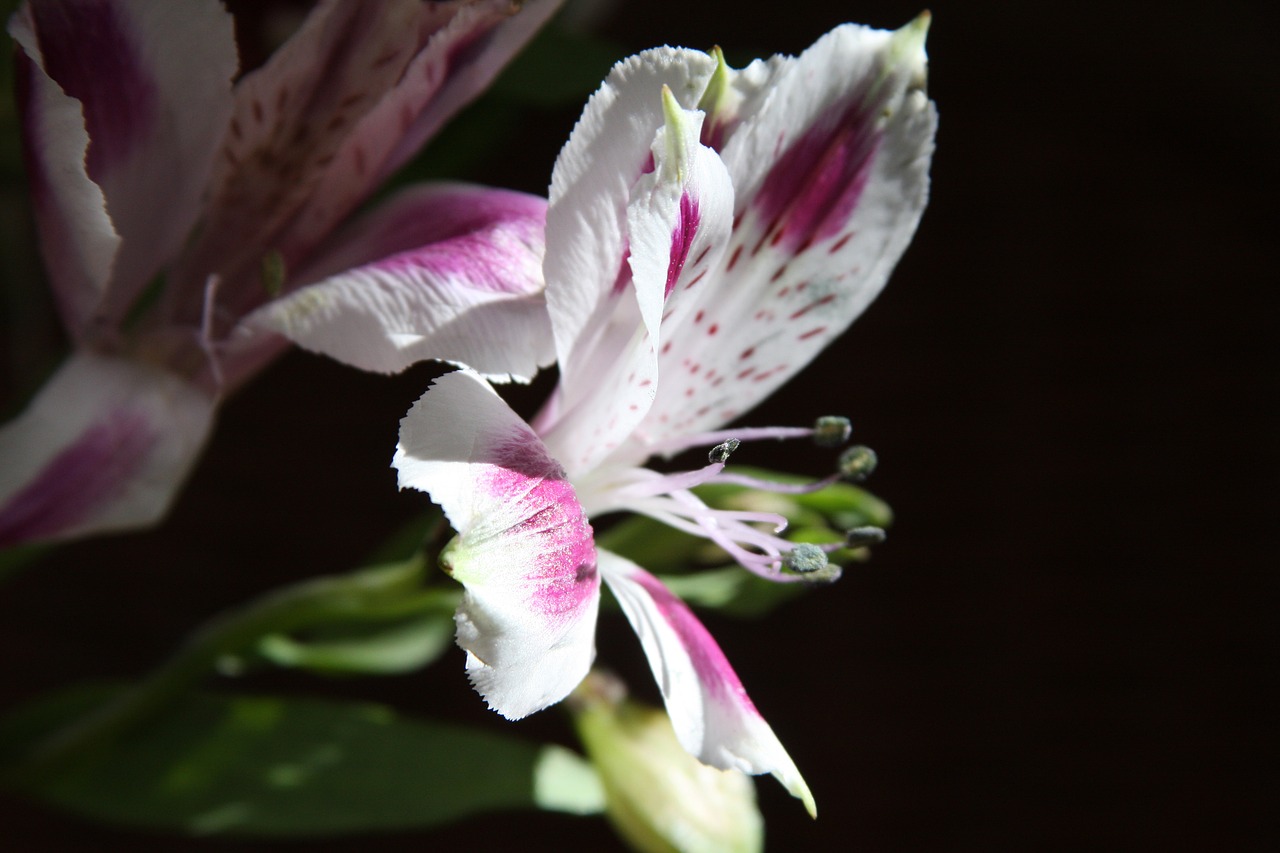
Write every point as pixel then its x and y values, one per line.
pixel 678 222
pixel 524 550
pixel 151 82
pixel 830 169
pixel 104 446
pixel 448 272
pixel 714 718
pixel 608 151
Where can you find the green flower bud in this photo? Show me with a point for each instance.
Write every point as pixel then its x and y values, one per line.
pixel 658 797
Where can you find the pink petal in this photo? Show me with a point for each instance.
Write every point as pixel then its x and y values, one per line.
pixel 449 272
pixel 351 96
pixel 831 177
pixel 153 83
pixel 524 550
pixel 713 717
pixel 104 446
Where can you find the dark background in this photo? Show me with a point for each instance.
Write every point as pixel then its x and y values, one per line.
pixel 1068 640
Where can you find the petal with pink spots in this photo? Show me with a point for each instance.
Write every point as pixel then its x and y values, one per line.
pixel 591 188
pixel 678 221
pixel 325 119
pixel 830 178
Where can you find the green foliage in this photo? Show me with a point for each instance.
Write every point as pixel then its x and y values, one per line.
pixel 271 766
pixel 382 650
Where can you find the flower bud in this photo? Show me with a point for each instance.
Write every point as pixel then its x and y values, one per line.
pixel 658 797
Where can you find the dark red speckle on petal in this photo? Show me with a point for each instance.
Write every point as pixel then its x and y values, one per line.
pixel 817 303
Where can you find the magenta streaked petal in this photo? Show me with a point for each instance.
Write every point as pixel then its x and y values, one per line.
pixel 811 191
pixel 93 50
pixel 325 120
pixel 682 235
pixel 77 239
pixel 449 272
pixel 713 717
pixel 834 163
pixel 153 81
pixel 524 550
pixel 104 446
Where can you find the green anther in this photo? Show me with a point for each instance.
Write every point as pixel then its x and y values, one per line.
pixel 831 431
pixel 806 558
pixel 857 463
pixel 861 537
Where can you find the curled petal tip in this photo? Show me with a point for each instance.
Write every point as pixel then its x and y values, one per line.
pixel 907 43
pixel 801 791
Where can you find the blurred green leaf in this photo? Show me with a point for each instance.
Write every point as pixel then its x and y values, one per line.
pixel 269 766
pixel 382 650
pixel 733 591
pixel 843 505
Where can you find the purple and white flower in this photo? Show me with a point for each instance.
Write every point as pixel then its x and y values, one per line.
pixel 709 232
pixel 149 161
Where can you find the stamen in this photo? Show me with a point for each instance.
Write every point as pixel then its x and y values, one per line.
pixel 727 529
pixel 674 444
pixel 861 537
pixel 661 484
pixel 831 431
pixel 857 463
pixel 774 486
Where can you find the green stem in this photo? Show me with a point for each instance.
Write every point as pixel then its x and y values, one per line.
pixel 384 593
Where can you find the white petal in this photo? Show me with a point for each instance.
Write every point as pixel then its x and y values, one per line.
pixel 678 223
pixel 524 549
pixel 591 185
pixel 822 218
pixel 104 446
pixel 153 81
pixel 713 717
pixel 449 272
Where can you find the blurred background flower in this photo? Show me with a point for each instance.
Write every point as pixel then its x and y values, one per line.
pixel 1054 648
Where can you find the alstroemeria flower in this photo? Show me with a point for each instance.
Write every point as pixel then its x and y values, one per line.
pixel 709 232
pixel 175 202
